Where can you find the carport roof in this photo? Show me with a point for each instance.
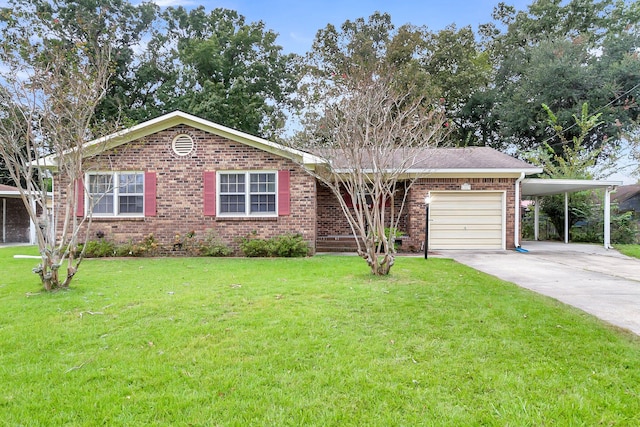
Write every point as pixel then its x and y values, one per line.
pixel 7 190
pixel 546 187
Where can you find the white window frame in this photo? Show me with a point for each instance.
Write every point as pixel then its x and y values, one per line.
pixel 247 193
pixel 116 195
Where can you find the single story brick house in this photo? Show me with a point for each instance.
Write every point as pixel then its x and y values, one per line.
pixel 15 224
pixel 178 174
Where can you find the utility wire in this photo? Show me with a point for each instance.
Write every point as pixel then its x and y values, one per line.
pixel 597 111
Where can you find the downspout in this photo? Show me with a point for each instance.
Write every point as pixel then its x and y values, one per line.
pixel 516 228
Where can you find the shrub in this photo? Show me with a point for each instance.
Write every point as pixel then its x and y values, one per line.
pixel 147 247
pixel 290 245
pixel 187 244
pixel 624 229
pixel 396 234
pixel 212 245
pixel 253 247
pixel 98 248
pixel 286 245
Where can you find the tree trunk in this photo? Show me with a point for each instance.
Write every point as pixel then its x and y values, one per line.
pixel 49 272
pixel 379 262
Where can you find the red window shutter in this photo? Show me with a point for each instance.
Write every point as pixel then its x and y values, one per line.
pixel 209 180
pixel 79 197
pixel 347 200
pixel 284 202
pixel 149 194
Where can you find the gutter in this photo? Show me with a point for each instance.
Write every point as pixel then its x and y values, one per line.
pixel 516 228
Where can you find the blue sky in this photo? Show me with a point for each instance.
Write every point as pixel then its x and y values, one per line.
pixel 297 22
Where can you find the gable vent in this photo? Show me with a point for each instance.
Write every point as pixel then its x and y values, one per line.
pixel 182 145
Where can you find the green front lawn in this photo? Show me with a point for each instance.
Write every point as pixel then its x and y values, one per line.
pixel 317 341
pixel 629 250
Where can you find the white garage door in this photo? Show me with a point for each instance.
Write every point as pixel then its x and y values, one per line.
pixel 467 220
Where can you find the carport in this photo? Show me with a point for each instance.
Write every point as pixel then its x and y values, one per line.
pixel 537 187
pixel 15 223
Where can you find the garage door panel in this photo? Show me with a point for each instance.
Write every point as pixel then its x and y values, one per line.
pixel 475 246
pixel 443 228
pixel 466 220
pixel 473 204
pixel 460 232
pixel 466 213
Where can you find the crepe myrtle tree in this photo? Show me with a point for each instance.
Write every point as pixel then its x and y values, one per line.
pixel 371 133
pixel 49 89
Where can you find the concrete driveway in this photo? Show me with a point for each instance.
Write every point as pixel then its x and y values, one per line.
pixel 601 282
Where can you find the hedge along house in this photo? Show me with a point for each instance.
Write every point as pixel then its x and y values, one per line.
pixel 178 174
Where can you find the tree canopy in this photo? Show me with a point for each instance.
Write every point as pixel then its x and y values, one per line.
pixel 492 82
pixel 563 54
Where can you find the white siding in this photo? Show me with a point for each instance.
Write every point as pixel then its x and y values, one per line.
pixel 467 220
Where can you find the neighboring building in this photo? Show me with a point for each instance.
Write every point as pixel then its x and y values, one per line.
pixel 14 219
pixel 627 198
pixel 178 173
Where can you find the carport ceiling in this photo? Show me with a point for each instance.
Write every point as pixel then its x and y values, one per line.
pixel 546 187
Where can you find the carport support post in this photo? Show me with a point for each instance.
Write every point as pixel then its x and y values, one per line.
pixel 536 219
pixel 607 218
pixel 566 217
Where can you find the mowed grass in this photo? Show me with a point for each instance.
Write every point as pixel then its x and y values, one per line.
pixel 290 342
pixel 629 250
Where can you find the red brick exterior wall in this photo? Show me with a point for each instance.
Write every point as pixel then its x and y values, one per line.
pixel 331 219
pixel 16 222
pixel 332 222
pixel 179 191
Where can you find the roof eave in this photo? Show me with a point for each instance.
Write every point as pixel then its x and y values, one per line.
pixel 175 118
pixel 549 186
pixel 462 172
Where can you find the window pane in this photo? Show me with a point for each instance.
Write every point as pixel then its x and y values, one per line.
pixel 232 183
pixel 232 203
pixel 131 204
pixel 100 184
pixel 102 204
pixel 131 183
pixel 101 193
pixel 263 203
pixel 263 182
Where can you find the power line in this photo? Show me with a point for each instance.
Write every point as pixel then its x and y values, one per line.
pixel 598 110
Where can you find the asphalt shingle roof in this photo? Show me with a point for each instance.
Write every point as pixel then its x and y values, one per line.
pixel 471 158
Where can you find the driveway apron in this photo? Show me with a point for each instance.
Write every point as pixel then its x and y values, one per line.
pixel 601 282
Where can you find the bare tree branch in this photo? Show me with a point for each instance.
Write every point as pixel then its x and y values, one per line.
pixel 49 91
pixel 372 133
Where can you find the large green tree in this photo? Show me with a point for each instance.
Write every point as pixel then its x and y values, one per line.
pixel 372 113
pixel 562 54
pixel 461 72
pixel 94 22
pixel 339 57
pixel 217 66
